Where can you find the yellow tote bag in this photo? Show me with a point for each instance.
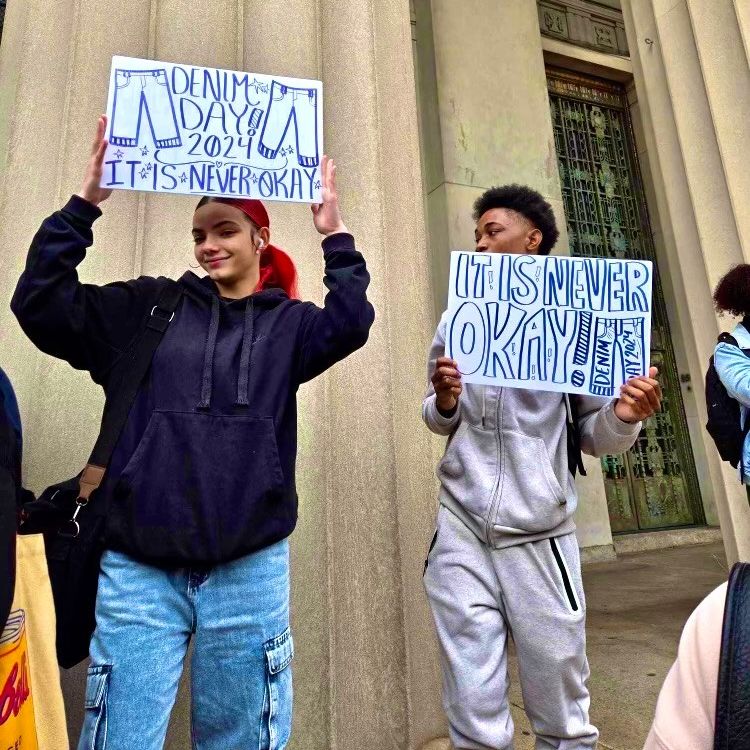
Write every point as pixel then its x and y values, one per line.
pixel 34 597
pixel 17 723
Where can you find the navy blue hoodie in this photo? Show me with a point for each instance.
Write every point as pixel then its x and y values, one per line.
pixel 204 470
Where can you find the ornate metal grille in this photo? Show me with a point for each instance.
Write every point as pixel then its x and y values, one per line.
pixel 654 485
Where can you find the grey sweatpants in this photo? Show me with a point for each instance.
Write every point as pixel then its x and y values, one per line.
pixel 533 592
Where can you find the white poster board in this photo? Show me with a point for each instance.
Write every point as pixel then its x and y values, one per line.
pixel 206 131
pixel 578 325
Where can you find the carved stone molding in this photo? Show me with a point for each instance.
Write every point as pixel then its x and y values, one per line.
pixel 584 22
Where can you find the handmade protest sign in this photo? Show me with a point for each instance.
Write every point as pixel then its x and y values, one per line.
pixel 578 325
pixel 189 129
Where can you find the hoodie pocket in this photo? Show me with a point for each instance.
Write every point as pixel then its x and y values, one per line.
pixel 215 483
pixel 531 498
pixel 469 468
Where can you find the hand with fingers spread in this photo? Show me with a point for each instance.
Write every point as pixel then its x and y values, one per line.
pixel 640 398
pixel 446 380
pixel 90 189
pixel 326 215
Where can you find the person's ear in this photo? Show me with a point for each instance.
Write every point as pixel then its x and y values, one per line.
pixel 262 238
pixel 533 241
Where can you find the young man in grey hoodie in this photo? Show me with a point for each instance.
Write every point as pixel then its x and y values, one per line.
pixel 504 558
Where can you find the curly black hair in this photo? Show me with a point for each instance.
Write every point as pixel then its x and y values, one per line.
pixel 732 293
pixel 526 202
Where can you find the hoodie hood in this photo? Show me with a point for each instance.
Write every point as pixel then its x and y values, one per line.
pixel 203 288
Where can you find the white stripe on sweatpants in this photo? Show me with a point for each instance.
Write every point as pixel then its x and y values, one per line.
pixel 478 596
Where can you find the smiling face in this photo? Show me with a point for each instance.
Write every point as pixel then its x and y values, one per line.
pixel 226 247
pixel 502 230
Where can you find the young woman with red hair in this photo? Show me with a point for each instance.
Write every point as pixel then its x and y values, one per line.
pixel 200 490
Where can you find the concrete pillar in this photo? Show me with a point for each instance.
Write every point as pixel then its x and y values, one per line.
pixel 689 125
pixel 384 670
pixel 494 119
pixel 726 75
pixel 366 671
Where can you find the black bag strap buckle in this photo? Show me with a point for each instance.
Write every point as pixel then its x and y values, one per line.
pixel 162 320
pixel 71 528
pixel 89 481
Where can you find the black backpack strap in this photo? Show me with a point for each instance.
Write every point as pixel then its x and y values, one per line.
pixel 727 338
pixel 575 456
pixel 132 370
pixel 732 727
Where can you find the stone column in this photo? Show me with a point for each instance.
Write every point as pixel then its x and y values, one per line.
pixel 493 116
pixel 366 672
pixel 691 100
pixel 381 487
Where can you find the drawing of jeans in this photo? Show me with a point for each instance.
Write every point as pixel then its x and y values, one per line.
pixel 287 104
pixel 138 92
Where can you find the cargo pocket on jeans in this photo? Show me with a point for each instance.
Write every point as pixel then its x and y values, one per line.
pixel 276 723
pixel 94 733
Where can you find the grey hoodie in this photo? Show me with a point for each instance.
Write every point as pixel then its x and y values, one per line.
pixel 505 468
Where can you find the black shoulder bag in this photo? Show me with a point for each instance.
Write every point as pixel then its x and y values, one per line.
pixel 73 531
pixel 732 728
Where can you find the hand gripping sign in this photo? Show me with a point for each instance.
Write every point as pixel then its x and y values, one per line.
pixel 578 325
pixel 206 131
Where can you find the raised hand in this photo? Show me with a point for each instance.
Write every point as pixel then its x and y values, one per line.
pixel 446 380
pixel 640 398
pixel 90 189
pixel 326 215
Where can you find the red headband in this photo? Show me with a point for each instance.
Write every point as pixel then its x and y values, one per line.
pixel 252 208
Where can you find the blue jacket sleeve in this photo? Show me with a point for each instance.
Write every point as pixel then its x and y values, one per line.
pixel 88 326
pixel 733 368
pixel 342 325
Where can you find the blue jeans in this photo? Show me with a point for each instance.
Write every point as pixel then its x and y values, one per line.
pixel 238 616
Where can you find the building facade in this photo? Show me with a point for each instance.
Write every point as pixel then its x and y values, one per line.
pixel 623 115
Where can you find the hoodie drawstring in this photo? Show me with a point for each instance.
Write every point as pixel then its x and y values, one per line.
pixel 208 360
pixel 568 409
pixel 243 381
pixel 484 403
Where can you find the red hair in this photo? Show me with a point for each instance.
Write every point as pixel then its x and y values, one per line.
pixel 277 269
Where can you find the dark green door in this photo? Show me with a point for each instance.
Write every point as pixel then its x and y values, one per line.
pixel 653 485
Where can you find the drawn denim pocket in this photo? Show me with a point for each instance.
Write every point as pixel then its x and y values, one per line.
pixel 124 83
pixel 94 733
pixel 276 722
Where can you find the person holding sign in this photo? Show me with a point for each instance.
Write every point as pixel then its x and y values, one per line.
pixel 200 491
pixel 504 557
